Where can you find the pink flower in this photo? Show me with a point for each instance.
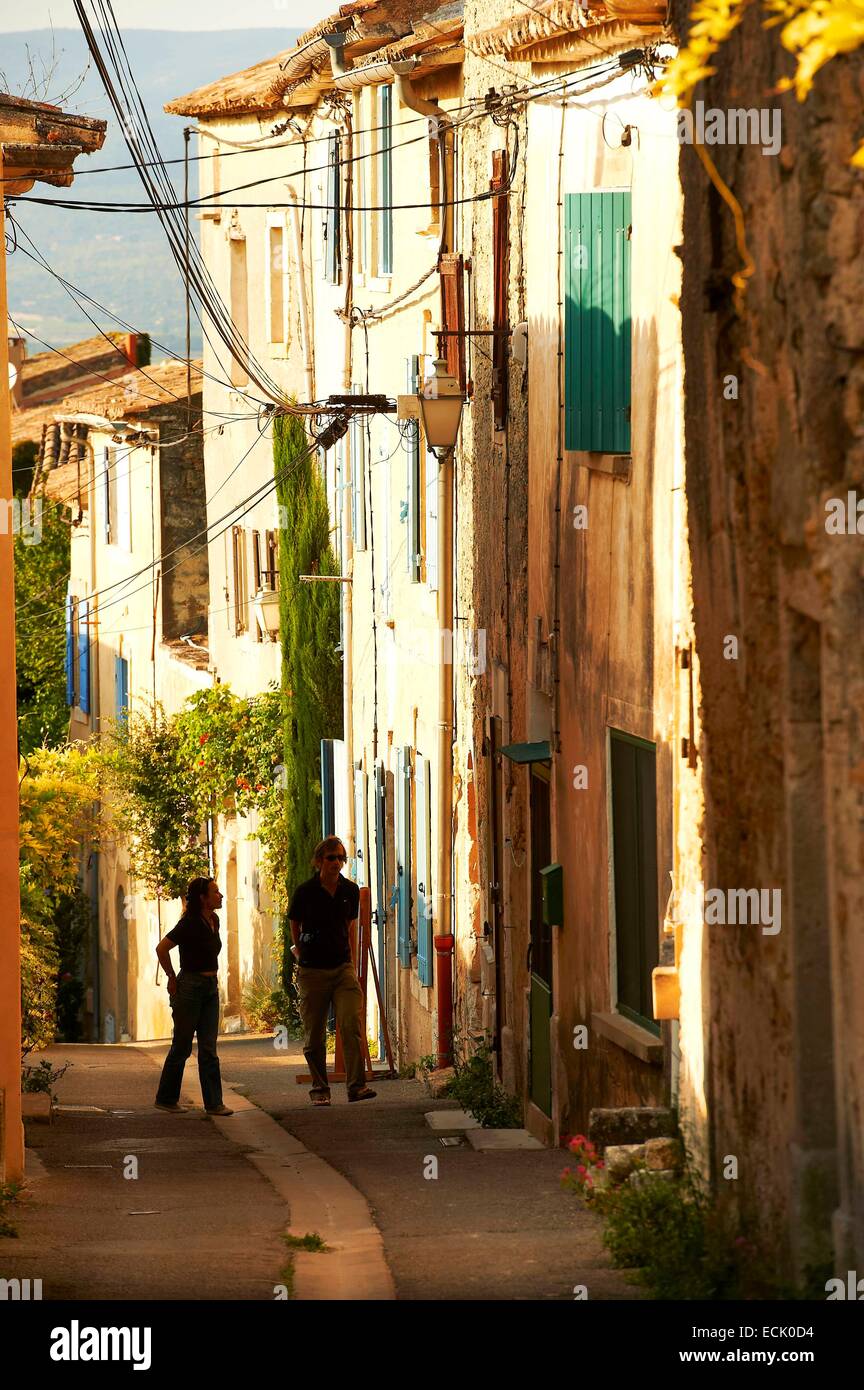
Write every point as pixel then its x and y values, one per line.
pixel 581 1170
pixel 566 1173
pixel 600 1164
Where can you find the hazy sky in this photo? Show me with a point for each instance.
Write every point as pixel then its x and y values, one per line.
pixel 169 14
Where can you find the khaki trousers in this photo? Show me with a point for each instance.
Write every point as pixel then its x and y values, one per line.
pixel 315 990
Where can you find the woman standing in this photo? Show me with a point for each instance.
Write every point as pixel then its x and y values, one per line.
pixel 194 997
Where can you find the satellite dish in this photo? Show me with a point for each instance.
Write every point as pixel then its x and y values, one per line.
pixel 13 376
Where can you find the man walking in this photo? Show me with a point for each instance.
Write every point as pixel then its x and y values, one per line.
pixel 323 913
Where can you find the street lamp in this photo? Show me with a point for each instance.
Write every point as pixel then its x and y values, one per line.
pixel 441 403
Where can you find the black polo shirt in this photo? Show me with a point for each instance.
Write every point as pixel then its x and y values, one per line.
pixel 324 918
pixel 199 944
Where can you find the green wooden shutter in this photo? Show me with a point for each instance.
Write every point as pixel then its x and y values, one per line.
pixel 328 789
pixel 84 655
pixel 424 871
pixel 634 845
pixel 597 322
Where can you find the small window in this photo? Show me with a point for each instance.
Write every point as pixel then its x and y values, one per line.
pixel 241 616
pixel 121 687
pixel 277 281
pixel 633 766
pixel 239 306
pixel 78 653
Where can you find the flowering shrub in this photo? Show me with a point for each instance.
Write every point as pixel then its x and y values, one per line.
pixel 584 1178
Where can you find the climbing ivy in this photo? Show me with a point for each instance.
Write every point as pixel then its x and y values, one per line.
pixel 309 625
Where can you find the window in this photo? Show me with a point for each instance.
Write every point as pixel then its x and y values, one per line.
pixel 239 305
pixel 256 578
pixel 117 498
pixel 634 855
pixel 597 322
pixel 238 547
pixel 78 653
pixel 333 212
pixel 121 686
pixel 358 477
pixel 385 192
pixel 277 280
pixel 414 480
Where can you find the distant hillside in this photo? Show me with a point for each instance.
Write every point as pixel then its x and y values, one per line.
pixel 121 259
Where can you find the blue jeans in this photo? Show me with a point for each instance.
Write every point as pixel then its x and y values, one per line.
pixel 195 1006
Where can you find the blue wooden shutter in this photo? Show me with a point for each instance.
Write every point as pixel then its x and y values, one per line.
pixel 412 439
pixel 70 650
pixel 424 869
pixel 121 685
pixel 381 884
pixel 84 656
pixel 328 790
pixel 403 853
pixel 386 266
pixel 597 322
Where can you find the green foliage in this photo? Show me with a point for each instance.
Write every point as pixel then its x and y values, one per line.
pixel 683 1245
pixel 41 571
pixel 220 753
pixel 41 1078
pixel 475 1088
pixel 312 1241
pixel 156 801
pixel 266 1008
pixel 58 804
pixel 24 456
pixel 309 625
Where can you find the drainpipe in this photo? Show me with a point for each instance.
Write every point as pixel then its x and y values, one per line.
pixel 308 361
pixel 444 940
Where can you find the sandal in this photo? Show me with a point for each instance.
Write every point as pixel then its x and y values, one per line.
pixel 321 1100
pixel 365 1094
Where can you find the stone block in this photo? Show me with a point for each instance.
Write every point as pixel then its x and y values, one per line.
pixel 36 1105
pixel 663 1153
pixel 436 1082
pixel 621 1159
pixel 631 1125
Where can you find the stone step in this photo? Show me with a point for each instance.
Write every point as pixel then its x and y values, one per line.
pixel 450 1121
pixel 500 1139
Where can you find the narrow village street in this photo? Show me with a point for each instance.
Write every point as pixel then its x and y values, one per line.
pixel 490 1226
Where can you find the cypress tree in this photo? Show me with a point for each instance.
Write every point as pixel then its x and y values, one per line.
pixel 309 626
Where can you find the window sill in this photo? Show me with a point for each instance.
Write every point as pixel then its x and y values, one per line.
pixel 629 1036
pixel 614 465
pixel 379 284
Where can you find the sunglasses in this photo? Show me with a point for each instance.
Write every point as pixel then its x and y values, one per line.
pixel 341 857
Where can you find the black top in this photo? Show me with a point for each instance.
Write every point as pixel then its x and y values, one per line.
pixel 199 944
pixel 324 918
